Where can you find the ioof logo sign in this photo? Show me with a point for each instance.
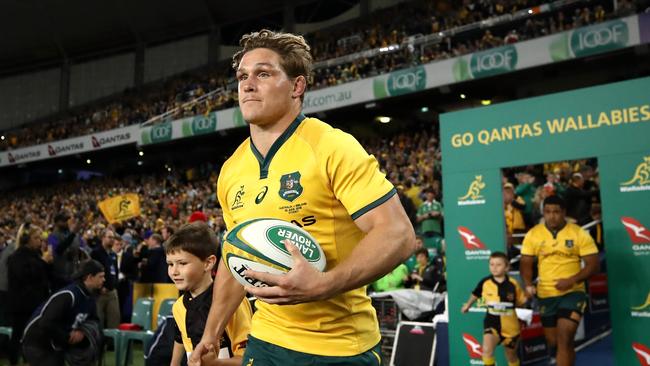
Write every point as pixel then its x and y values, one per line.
pixel 640 180
pixel 473 196
pixel 599 38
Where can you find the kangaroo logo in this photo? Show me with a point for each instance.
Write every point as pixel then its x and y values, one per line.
pixel 237 203
pixel 124 207
pixel 645 307
pixel 473 196
pixel 641 179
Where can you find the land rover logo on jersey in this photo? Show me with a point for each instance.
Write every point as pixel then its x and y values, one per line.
pixel 640 180
pixel 290 187
pixel 568 243
pixel 279 235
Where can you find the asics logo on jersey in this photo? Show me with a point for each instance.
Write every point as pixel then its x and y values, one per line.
pixel 261 195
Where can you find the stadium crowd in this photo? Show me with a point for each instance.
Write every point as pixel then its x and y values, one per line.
pixel 411 161
pixel 212 88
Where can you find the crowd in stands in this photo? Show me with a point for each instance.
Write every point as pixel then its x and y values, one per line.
pixel 176 98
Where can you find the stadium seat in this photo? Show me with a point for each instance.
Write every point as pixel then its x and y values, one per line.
pixel 141 319
pixel 160 293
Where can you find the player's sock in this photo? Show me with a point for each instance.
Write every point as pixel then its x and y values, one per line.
pixel 516 363
pixel 488 361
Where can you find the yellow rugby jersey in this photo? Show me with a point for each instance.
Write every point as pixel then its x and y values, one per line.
pixel 558 255
pixel 319 178
pixel 501 300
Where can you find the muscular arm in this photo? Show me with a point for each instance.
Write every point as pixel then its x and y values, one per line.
pixel 526 269
pixel 592 266
pixel 389 241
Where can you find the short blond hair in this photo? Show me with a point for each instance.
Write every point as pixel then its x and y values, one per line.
pixel 295 53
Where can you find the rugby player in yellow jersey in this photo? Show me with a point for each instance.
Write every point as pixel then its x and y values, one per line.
pixel 559 247
pixel 302 170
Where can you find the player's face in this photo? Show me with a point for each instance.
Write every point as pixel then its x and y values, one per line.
pixel 553 216
pixel 186 270
pixel 265 90
pixel 498 267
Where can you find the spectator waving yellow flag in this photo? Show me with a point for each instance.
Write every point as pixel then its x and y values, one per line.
pixel 120 208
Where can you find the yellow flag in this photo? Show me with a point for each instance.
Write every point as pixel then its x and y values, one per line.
pixel 120 208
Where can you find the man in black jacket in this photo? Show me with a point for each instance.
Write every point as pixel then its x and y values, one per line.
pixel 55 325
pixel 153 267
pixel 127 273
pixel 108 308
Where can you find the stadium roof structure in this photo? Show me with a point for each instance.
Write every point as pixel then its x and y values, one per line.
pixel 39 33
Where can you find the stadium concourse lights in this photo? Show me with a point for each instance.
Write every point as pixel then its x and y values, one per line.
pixel 424 109
pixel 139 162
pixel 463 96
pixel 141 153
pixel 383 119
pixel 2 137
pixel 88 161
pixel 60 171
pixel 486 102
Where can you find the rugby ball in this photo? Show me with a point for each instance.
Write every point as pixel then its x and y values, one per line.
pixel 259 245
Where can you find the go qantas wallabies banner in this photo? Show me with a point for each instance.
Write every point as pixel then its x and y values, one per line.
pixel 609 122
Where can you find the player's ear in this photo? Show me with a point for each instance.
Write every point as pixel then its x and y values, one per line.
pixel 299 86
pixel 210 262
